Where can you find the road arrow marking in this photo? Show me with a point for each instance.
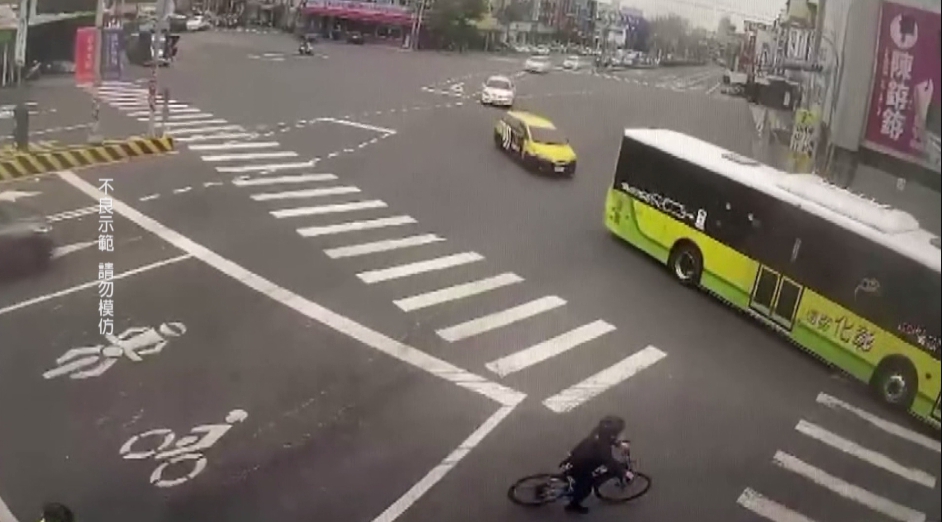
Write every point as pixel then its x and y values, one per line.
pixel 69 249
pixel 13 195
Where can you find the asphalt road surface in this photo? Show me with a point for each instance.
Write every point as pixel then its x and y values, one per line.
pixel 368 290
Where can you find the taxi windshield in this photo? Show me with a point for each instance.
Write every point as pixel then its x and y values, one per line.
pixel 547 136
pixel 498 83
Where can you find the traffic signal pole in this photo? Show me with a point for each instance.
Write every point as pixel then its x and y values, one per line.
pixel 94 130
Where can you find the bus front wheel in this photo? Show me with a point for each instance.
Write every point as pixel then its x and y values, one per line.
pixel 895 382
pixel 686 263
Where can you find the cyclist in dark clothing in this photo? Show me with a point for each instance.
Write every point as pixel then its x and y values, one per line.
pixel 54 512
pixel 594 451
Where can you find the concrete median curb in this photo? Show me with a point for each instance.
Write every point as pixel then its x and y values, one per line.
pixel 43 160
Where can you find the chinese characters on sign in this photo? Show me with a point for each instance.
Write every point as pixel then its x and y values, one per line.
pixel 85 54
pixel 111 62
pixel 904 103
pixel 105 270
pixel 842 330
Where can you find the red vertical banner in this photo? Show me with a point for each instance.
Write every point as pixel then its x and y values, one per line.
pixel 85 54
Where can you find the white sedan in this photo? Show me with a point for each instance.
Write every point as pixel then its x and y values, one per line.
pixel 537 64
pixel 498 90
pixel 572 63
pixel 198 23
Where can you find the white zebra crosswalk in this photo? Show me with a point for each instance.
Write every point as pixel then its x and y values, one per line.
pixel 294 194
pixel 840 433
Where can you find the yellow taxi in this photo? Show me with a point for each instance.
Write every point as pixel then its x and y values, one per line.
pixel 536 142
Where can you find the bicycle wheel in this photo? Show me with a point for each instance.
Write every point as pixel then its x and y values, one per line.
pixel 614 489
pixel 539 489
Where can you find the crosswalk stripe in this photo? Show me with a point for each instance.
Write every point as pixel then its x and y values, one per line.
pixel 235 146
pixel 385 245
pixel 418 267
pixel 198 130
pixel 328 209
pixel 307 193
pixel 769 509
pixel 249 156
pixel 174 124
pixel 189 110
pixel 354 226
pixel 500 319
pixel 62 216
pixel 577 394
pixel 548 349
pixel 889 427
pixel 271 167
pixel 217 136
pixel 848 490
pixel 179 117
pixel 877 459
pixel 274 180
pixel 453 293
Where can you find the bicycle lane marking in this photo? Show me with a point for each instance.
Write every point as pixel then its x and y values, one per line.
pixel 506 397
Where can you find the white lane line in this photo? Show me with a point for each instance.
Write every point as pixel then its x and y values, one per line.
pixel 769 509
pixel 344 325
pixel 269 168
pixel 422 487
pixel 182 190
pixel 190 110
pixel 220 136
pixel 358 125
pixel 307 193
pixel 274 180
pixel 575 395
pixel 374 247
pixel 191 123
pixel 182 117
pixel 328 209
pixel 67 291
pixel 130 105
pixel 199 130
pixel 239 145
pixel 549 348
pixel 499 319
pixel 848 490
pixel 148 197
pixel 72 214
pixel 715 87
pixel 419 267
pixel 872 457
pixel 354 226
pixel 7 516
pixel 887 426
pixel 249 156
pixel 453 293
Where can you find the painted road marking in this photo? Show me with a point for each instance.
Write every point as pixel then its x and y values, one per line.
pixel 500 319
pixel 328 209
pixel 549 348
pixel 67 291
pixel 72 214
pixel 250 156
pixel 7 516
pixel 307 193
pixel 889 427
pixel 182 117
pixel 769 509
pixel 239 145
pixel 848 490
pixel 65 250
pixel 218 128
pixel 590 388
pixel 344 325
pixel 356 226
pixel 301 178
pixel 358 125
pixel 872 457
pixel 419 267
pixel 220 136
pixel 171 124
pixel 270 167
pixel 385 245
pixel 190 110
pixel 453 293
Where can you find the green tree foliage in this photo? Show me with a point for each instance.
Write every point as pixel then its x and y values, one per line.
pixel 451 21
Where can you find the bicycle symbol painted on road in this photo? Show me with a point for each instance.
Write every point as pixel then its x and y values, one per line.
pixel 170 450
pixel 133 343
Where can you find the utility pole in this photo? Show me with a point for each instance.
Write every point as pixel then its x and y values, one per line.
pixel 22 32
pixel 94 130
pixel 417 23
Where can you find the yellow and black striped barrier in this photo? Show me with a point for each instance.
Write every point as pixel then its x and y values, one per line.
pixel 10 149
pixel 40 160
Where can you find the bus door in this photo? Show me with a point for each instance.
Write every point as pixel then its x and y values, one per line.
pixel 775 297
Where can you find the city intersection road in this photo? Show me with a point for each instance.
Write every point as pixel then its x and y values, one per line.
pixel 213 399
pixel 425 232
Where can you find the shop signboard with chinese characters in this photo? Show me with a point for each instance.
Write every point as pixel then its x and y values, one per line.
pixel 111 53
pixel 85 54
pixel 903 118
pixel 366 11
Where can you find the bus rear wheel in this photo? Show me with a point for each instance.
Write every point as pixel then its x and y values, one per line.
pixel 686 263
pixel 895 382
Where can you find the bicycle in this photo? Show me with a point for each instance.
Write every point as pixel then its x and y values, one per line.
pixel 550 487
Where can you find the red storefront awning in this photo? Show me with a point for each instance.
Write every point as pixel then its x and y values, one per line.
pixel 361 11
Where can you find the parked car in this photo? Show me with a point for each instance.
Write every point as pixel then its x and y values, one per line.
pixel 572 62
pixel 25 243
pixel 537 64
pixel 198 23
pixel 355 38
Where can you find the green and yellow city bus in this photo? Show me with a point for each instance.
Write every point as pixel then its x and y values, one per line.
pixel 852 281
